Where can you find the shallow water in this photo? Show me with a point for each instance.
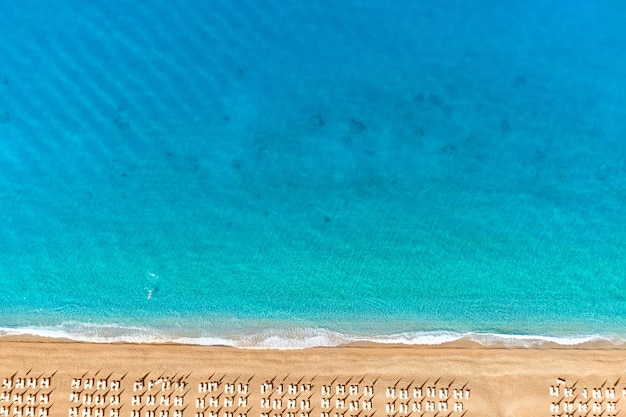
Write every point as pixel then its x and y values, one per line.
pixel 284 171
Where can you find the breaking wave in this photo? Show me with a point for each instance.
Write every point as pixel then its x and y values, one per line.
pixel 292 338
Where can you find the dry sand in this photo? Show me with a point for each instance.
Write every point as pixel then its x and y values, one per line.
pixel 60 378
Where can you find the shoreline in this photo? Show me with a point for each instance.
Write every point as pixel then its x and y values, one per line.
pixel 461 343
pixel 296 338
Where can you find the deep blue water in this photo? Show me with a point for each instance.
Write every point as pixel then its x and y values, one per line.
pixel 261 171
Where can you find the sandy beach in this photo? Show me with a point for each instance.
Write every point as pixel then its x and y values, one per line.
pixel 41 377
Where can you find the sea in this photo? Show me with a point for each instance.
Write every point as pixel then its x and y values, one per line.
pixel 287 174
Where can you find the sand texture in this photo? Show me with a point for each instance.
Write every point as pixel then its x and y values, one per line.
pixel 43 378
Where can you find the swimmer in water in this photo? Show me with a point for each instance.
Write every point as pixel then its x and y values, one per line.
pixel 153 289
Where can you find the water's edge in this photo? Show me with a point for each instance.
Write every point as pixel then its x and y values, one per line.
pixel 301 338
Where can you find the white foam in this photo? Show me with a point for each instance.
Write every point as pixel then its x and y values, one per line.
pixel 88 332
pixel 295 338
pixel 291 338
pixel 491 339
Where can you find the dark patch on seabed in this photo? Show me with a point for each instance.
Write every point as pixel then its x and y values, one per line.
pixel 356 126
pixel 317 120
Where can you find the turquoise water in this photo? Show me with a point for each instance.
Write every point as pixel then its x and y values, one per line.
pixel 288 173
